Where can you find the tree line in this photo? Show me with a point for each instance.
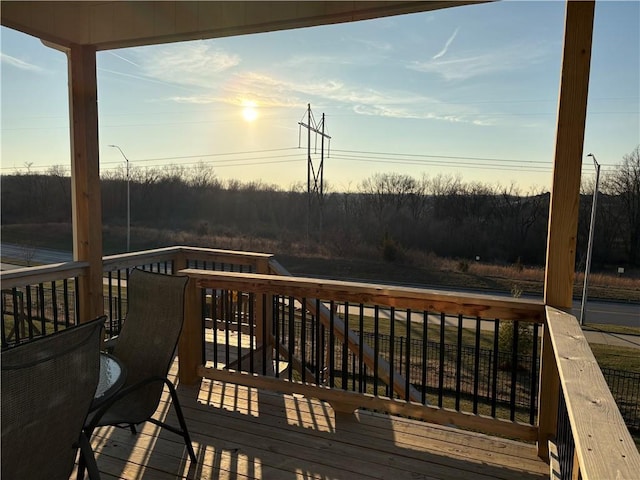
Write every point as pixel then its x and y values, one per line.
pixel 388 213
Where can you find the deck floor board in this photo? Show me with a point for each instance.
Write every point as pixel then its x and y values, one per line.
pixel 245 433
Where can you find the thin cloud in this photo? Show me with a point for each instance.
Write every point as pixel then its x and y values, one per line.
pixel 194 64
pixel 375 45
pixel 463 67
pixel 271 91
pixel 443 52
pixel 200 67
pixel 418 112
pixel 20 64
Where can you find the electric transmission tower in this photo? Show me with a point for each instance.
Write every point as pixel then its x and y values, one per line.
pixel 315 176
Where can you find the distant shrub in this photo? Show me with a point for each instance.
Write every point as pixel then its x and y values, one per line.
pixel 390 249
pixel 505 341
pixel 463 266
pixel 203 228
pixel 518 265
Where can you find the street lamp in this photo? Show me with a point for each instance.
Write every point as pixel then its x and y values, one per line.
pixel 587 267
pixel 128 199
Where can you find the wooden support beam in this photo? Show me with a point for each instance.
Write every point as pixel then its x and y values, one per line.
pixel 565 192
pixel 565 198
pixel 548 398
pixel 85 174
pixel 190 341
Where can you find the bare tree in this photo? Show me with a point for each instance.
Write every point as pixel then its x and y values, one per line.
pixel 625 184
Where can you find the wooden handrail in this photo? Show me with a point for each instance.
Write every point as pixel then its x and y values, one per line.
pixel 450 303
pixel 132 259
pixel 20 277
pixel 604 447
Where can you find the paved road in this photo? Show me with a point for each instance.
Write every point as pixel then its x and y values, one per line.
pixel 33 255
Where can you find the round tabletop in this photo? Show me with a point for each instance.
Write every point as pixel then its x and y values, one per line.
pixel 112 377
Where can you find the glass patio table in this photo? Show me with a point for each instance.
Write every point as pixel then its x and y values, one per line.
pixel 112 376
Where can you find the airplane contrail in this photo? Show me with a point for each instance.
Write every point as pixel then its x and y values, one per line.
pixel 446 45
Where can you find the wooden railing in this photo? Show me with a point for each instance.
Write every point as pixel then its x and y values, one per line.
pixel 590 439
pixel 316 329
pixel 38 301
pixel 250 298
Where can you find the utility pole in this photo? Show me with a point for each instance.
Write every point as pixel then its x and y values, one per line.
pixel 128 198
pixel 587 267
pixel 315 179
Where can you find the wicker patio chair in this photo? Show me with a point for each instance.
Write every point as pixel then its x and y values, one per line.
pixel 47 388
pixel 146 346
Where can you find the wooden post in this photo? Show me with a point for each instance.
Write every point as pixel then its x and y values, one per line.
pixel 565 193
pixel 190 342
pixel 85 174
pixel 548 397
pixel 565 197
pixel 264 329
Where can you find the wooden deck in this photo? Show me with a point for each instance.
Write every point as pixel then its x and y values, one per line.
pixel 241 433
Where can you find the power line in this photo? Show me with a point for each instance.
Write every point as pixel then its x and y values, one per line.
pixel 383 155
pixel 249 152
pixel 255 157
pixel 246 162
pixel 449 157
pixel 466 165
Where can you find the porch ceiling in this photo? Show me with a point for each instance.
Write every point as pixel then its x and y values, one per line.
pixel 120 24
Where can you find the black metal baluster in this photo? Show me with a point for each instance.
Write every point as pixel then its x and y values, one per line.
pixel 266 334
pixel 376 347
pixel 496 355
pixel 41 299
pixel 110 297
pixel 54 305
pixel 252 336
pixel 441 360
pixel 533 387
pixel 214 315
pixel 276 327
pixel 425 339
pixel 76 284
pixel 345 348
pixel 332 351
pixel 476 366
pixel 303 336
pixel 292 335
pixel 459 363
pixel 323 345
pixel 119 300
pixel 227 317
pixel 16 316
pixel 65 287
pixel 514 371
pixel 318 347
pixel 361 370
pixel 313 354
pixel 203 342
pixel 392 341
pixel 407 384
pixel 239 327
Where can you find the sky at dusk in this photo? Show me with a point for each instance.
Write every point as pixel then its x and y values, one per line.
pixel 469 91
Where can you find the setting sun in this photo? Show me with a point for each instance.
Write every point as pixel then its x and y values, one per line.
pixel 249 113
